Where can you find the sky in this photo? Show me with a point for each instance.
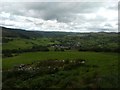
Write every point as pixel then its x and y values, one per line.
pixel 60 16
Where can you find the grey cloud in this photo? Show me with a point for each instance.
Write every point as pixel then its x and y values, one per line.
pixel 63 12
pixel 108 25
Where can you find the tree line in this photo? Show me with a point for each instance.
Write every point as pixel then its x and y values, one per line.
pixel 9 53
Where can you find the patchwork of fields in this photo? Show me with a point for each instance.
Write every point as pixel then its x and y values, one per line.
pixel 59 60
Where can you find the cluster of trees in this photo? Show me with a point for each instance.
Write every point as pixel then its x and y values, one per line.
pixel 98 49
pixel 6 40
pixel 10 53
pixel 89 47
pixel 59 49
pixel 98 42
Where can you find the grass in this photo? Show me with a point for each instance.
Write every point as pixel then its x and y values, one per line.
pixel 26 43
pixel 91 57
pixel 17 43
pixel 102 71
pixel 99 71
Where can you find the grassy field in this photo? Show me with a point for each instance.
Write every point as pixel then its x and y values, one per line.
pixel 91 57
pixel 65 61
pixel 26 43
pixel 101 70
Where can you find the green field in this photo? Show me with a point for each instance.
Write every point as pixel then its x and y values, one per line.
pixel 91 57
pixel 59 60
pixel 101 70
pixel 26 43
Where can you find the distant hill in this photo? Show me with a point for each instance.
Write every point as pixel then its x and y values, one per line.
pixel 9 32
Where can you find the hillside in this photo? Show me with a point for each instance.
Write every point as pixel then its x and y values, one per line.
pixel 22 39
pixel 37 59
pixel 10 32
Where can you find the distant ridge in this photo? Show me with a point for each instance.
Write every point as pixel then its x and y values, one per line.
pixel 10 32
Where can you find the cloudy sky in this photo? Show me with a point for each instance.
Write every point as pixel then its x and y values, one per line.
pixel 60 16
